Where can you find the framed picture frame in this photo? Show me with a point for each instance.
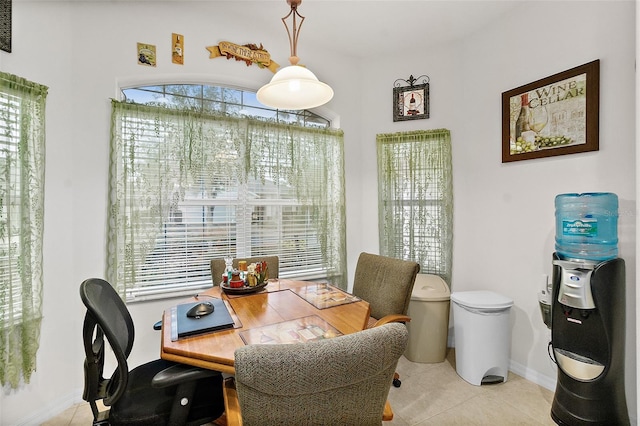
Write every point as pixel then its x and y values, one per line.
pixel 146 54
pixel 556 115
pixel 411 102
pixel 5 25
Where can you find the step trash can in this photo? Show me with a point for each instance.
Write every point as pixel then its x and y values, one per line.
pixel 482 336
pixel 429 325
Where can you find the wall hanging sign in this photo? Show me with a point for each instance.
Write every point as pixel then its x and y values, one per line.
pixel 556 115
pixel 411 100
pixel 248 53
pixel 147 54
pixel 177 51
pixel 5 25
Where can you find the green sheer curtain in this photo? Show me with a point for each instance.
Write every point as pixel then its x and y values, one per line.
pixel 22 163
pixel 158 154
pixel 415 198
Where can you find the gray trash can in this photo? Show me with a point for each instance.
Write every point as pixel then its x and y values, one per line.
pixel 429 325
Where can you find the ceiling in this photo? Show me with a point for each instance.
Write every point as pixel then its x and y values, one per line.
pixel 357 28
pixel 366 28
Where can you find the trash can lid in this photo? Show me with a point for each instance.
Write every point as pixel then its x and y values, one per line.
pixel 481 299
pixel 430 288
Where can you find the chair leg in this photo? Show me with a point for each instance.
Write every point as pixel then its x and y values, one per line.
pixel 100 418
pixel 396 380
pixel 182 403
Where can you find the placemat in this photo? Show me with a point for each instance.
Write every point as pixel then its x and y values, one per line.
pixel 323 295
pixel 300 330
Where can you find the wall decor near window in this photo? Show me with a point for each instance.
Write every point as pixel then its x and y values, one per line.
pixel 177 51
pixel 147 54
pixel 556 115
pixel 248 53
pixel 5 25
pixel 411 101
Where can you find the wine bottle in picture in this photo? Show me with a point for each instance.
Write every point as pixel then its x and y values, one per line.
pixel 413 110
pixel 522 122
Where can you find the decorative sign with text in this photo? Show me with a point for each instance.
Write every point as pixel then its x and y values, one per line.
pixel 247 53
pixel 556 115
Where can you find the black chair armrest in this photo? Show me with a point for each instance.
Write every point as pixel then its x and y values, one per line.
pixel 180 373
pixel 158 325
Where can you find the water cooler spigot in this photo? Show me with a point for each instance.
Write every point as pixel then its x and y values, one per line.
pixel 575 283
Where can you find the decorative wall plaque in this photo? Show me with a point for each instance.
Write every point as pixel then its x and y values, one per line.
pixel 247 53
pixel 411 102
pixel 147 54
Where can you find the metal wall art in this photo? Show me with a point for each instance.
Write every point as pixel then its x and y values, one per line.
pixel 5 25
pixel 411 100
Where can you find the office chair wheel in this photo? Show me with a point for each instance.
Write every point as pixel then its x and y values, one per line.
pixel 396 383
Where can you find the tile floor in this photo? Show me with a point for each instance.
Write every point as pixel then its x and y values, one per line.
pixel 433 394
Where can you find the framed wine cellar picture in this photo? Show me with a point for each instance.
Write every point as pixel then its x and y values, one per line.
pixel 556 115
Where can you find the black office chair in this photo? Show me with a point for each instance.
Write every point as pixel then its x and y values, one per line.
pixel 159 392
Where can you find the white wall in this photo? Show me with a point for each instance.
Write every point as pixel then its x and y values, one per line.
pixel 503 213
pixel 83 51
pixel 42 54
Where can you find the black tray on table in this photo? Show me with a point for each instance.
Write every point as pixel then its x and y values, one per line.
pixel 243 290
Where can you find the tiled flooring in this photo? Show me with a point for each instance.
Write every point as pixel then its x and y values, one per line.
pixel 433 394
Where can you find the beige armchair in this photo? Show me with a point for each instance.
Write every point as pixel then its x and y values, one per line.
pixel 340 381
pixel 217 266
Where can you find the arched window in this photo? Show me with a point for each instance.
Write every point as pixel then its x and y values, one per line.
pixel 205 172
pixel 219 100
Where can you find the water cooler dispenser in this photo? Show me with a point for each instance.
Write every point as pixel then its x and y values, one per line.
pixel 586 312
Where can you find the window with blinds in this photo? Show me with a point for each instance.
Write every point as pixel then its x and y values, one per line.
pixel 22 165
pixel 10 204
pixel 21 193
pixel 416 198
pixel 190 186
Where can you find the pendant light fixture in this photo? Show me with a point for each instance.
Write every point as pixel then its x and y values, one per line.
pixel 294 87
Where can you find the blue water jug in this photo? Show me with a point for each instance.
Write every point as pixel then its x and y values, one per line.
pixel 587 226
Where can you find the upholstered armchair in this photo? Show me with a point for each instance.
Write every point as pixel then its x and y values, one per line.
pixel 386 283
pixel 340 381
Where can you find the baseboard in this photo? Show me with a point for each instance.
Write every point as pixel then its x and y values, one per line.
pixel 533 376
pixel 42 413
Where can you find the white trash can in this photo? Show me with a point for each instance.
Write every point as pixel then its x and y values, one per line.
pixel 429 325
pixel 482 335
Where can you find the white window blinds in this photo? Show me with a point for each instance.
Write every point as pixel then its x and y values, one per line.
pixel 416 198
pixel 188 187
pixel 22 165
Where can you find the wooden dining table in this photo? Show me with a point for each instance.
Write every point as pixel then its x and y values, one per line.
pixel 282 305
